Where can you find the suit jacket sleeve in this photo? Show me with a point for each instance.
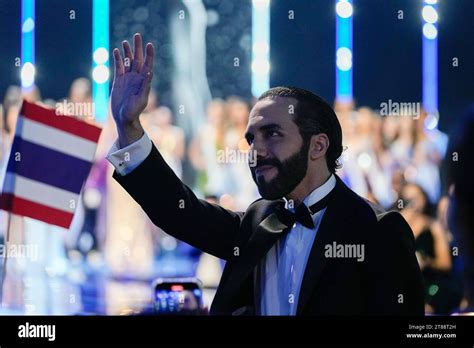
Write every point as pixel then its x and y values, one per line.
pixel 173 207
pixel 395 280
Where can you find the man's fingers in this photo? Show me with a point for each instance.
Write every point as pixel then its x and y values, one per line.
pixel 146 84
pixel 127 51
pixel 138 53
pixel 119 68
pixel 150 52
pixel 148 69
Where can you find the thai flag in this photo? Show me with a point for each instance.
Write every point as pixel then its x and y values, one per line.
pixel 50 159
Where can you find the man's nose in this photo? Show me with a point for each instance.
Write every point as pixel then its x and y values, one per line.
pixel 260 149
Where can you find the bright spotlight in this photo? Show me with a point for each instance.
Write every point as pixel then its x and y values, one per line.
pixel 430 31
pixel 100 74
pixel 364 160
pixel 28 25
pixel 344 59
pixel 260 48
pixel 431 121
pixel 261 4
pixel 101 55
pixel 260 66
pixel 28 75
pixel 344 9
pixel 429 14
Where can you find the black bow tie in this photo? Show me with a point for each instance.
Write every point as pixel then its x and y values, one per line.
pixel 302 213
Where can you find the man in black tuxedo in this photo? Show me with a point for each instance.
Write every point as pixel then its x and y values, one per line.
pixel 310 246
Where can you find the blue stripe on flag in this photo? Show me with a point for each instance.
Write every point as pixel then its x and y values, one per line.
pixel 48 166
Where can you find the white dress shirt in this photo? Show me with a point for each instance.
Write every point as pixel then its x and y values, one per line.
pixel 280 274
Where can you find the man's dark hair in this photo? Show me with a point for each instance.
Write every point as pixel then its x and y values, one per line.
pixel 313 115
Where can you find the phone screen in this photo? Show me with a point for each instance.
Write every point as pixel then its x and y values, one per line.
pixel 177 297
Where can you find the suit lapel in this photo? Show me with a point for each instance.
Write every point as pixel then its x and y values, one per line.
pixel 267 233
pixel 332 224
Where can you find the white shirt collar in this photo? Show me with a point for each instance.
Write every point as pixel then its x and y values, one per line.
pixel 320 192
pixel 317 194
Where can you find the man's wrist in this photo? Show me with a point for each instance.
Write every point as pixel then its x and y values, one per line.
pixel 129 133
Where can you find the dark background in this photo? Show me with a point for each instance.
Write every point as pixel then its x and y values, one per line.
pixel 387 51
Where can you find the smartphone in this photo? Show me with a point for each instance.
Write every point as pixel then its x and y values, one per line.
pixel 177 296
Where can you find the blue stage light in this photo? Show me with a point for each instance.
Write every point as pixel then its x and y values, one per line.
pixel 260 46
pixel 344 64
pixel 28 69
pixel 430 57
pixel 100 55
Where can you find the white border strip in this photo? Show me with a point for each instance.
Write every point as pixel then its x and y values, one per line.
pixel 40 193
pixel 56 139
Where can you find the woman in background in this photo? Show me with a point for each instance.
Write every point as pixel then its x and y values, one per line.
pixel 442 292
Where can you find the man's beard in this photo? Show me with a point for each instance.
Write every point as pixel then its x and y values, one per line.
pixel 290 172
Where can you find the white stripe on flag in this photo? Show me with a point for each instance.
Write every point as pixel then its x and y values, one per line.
pixel 40 193
pixel 56 139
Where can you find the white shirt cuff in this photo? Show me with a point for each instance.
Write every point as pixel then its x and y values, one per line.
pixel 125 160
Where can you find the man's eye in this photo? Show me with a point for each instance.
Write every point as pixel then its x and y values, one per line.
pixel 271 134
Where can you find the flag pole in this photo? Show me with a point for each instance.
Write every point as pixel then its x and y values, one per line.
pixel 4 268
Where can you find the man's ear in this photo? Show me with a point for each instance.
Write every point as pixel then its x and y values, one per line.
pixel 318 146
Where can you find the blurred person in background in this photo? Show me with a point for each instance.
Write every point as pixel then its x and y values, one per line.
pixel 153 103
pixel 170 141
pixel 3 134
pixel 402 147
pixel 364 169
pixel 461 207
pixel 129 248
pixel 209 269
pixel 88 230
pixel 131 240
pixel 373 158
pixel 11 108
pixel 204 148
pixel 238 114
pixel 345 111
pixel 427 157
pixel 441 226
pixel 388 132
pixel 168 138
pixel 32 94
pixel 158 124
pixel 401 136
pixel 390 129
pixel 242 187
pixel 432 249
pixel 3 158
pixel 13 288
pixel 88 225
pixel 80 91
pixel 78 103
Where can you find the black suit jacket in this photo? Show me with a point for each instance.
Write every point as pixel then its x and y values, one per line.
pixel 387 282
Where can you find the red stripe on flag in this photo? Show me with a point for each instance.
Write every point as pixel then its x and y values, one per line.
pixel 24 207
pixel 65 123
